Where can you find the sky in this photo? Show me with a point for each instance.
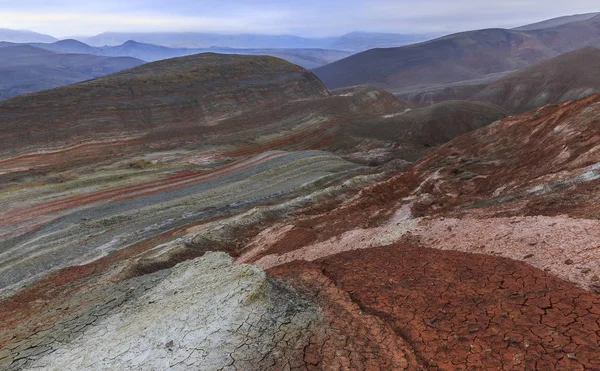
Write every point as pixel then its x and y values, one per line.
pixel 310 18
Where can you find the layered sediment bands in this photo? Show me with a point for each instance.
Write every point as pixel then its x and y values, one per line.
pixel 148 106
pixel 231 106
pixel 44 235
pixel 59 306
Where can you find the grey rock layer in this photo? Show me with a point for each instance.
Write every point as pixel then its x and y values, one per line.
pixel 208 314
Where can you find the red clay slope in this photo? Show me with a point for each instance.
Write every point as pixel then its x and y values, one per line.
pixel 456 310
pixel 542 162
pixel 460 311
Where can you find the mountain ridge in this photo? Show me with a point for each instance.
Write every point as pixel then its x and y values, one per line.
pixel 550 81
pixel 26 69
pixel 457 57
pixel 354 41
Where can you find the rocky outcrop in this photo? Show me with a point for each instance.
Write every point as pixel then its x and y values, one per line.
pixel 205 314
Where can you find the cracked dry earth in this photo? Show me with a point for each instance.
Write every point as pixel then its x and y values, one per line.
pixel 460 311
pixel 207 313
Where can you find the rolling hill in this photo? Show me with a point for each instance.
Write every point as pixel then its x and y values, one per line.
pixel 556 22
pixel 235 105
pixel 570 76
pixel 463 56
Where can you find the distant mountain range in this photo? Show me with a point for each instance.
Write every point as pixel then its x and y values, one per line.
pixel 26 69
pixel 23 36
pixel 355 41
pixel 458 57
pixel 307 58
pixel 457 66
pixel 351 42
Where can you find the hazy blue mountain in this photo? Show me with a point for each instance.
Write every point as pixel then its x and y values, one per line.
pixel 360 41
pixel 307 58
pixel 69 46
pixel 351 42
pixel 23 36
pixel 207 40
pixel 355 41
pixel 26 69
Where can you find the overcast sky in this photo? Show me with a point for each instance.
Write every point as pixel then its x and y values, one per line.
pixel 301 17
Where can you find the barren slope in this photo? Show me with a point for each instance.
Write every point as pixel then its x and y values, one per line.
pixel 567 77
pixel 556 21
pixel 458 57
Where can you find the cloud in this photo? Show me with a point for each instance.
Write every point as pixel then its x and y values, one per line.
pixel 70 23
pixel 303 17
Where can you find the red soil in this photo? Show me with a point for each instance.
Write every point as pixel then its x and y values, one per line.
pixel 462 311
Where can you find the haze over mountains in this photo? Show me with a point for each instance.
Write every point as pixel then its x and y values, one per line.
pixel 25 69
pixel 307 58
pixel 234 211
pixel 308 53
pixel 407 71
pixel 22 36
pixel 355 41
pixel 351 42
